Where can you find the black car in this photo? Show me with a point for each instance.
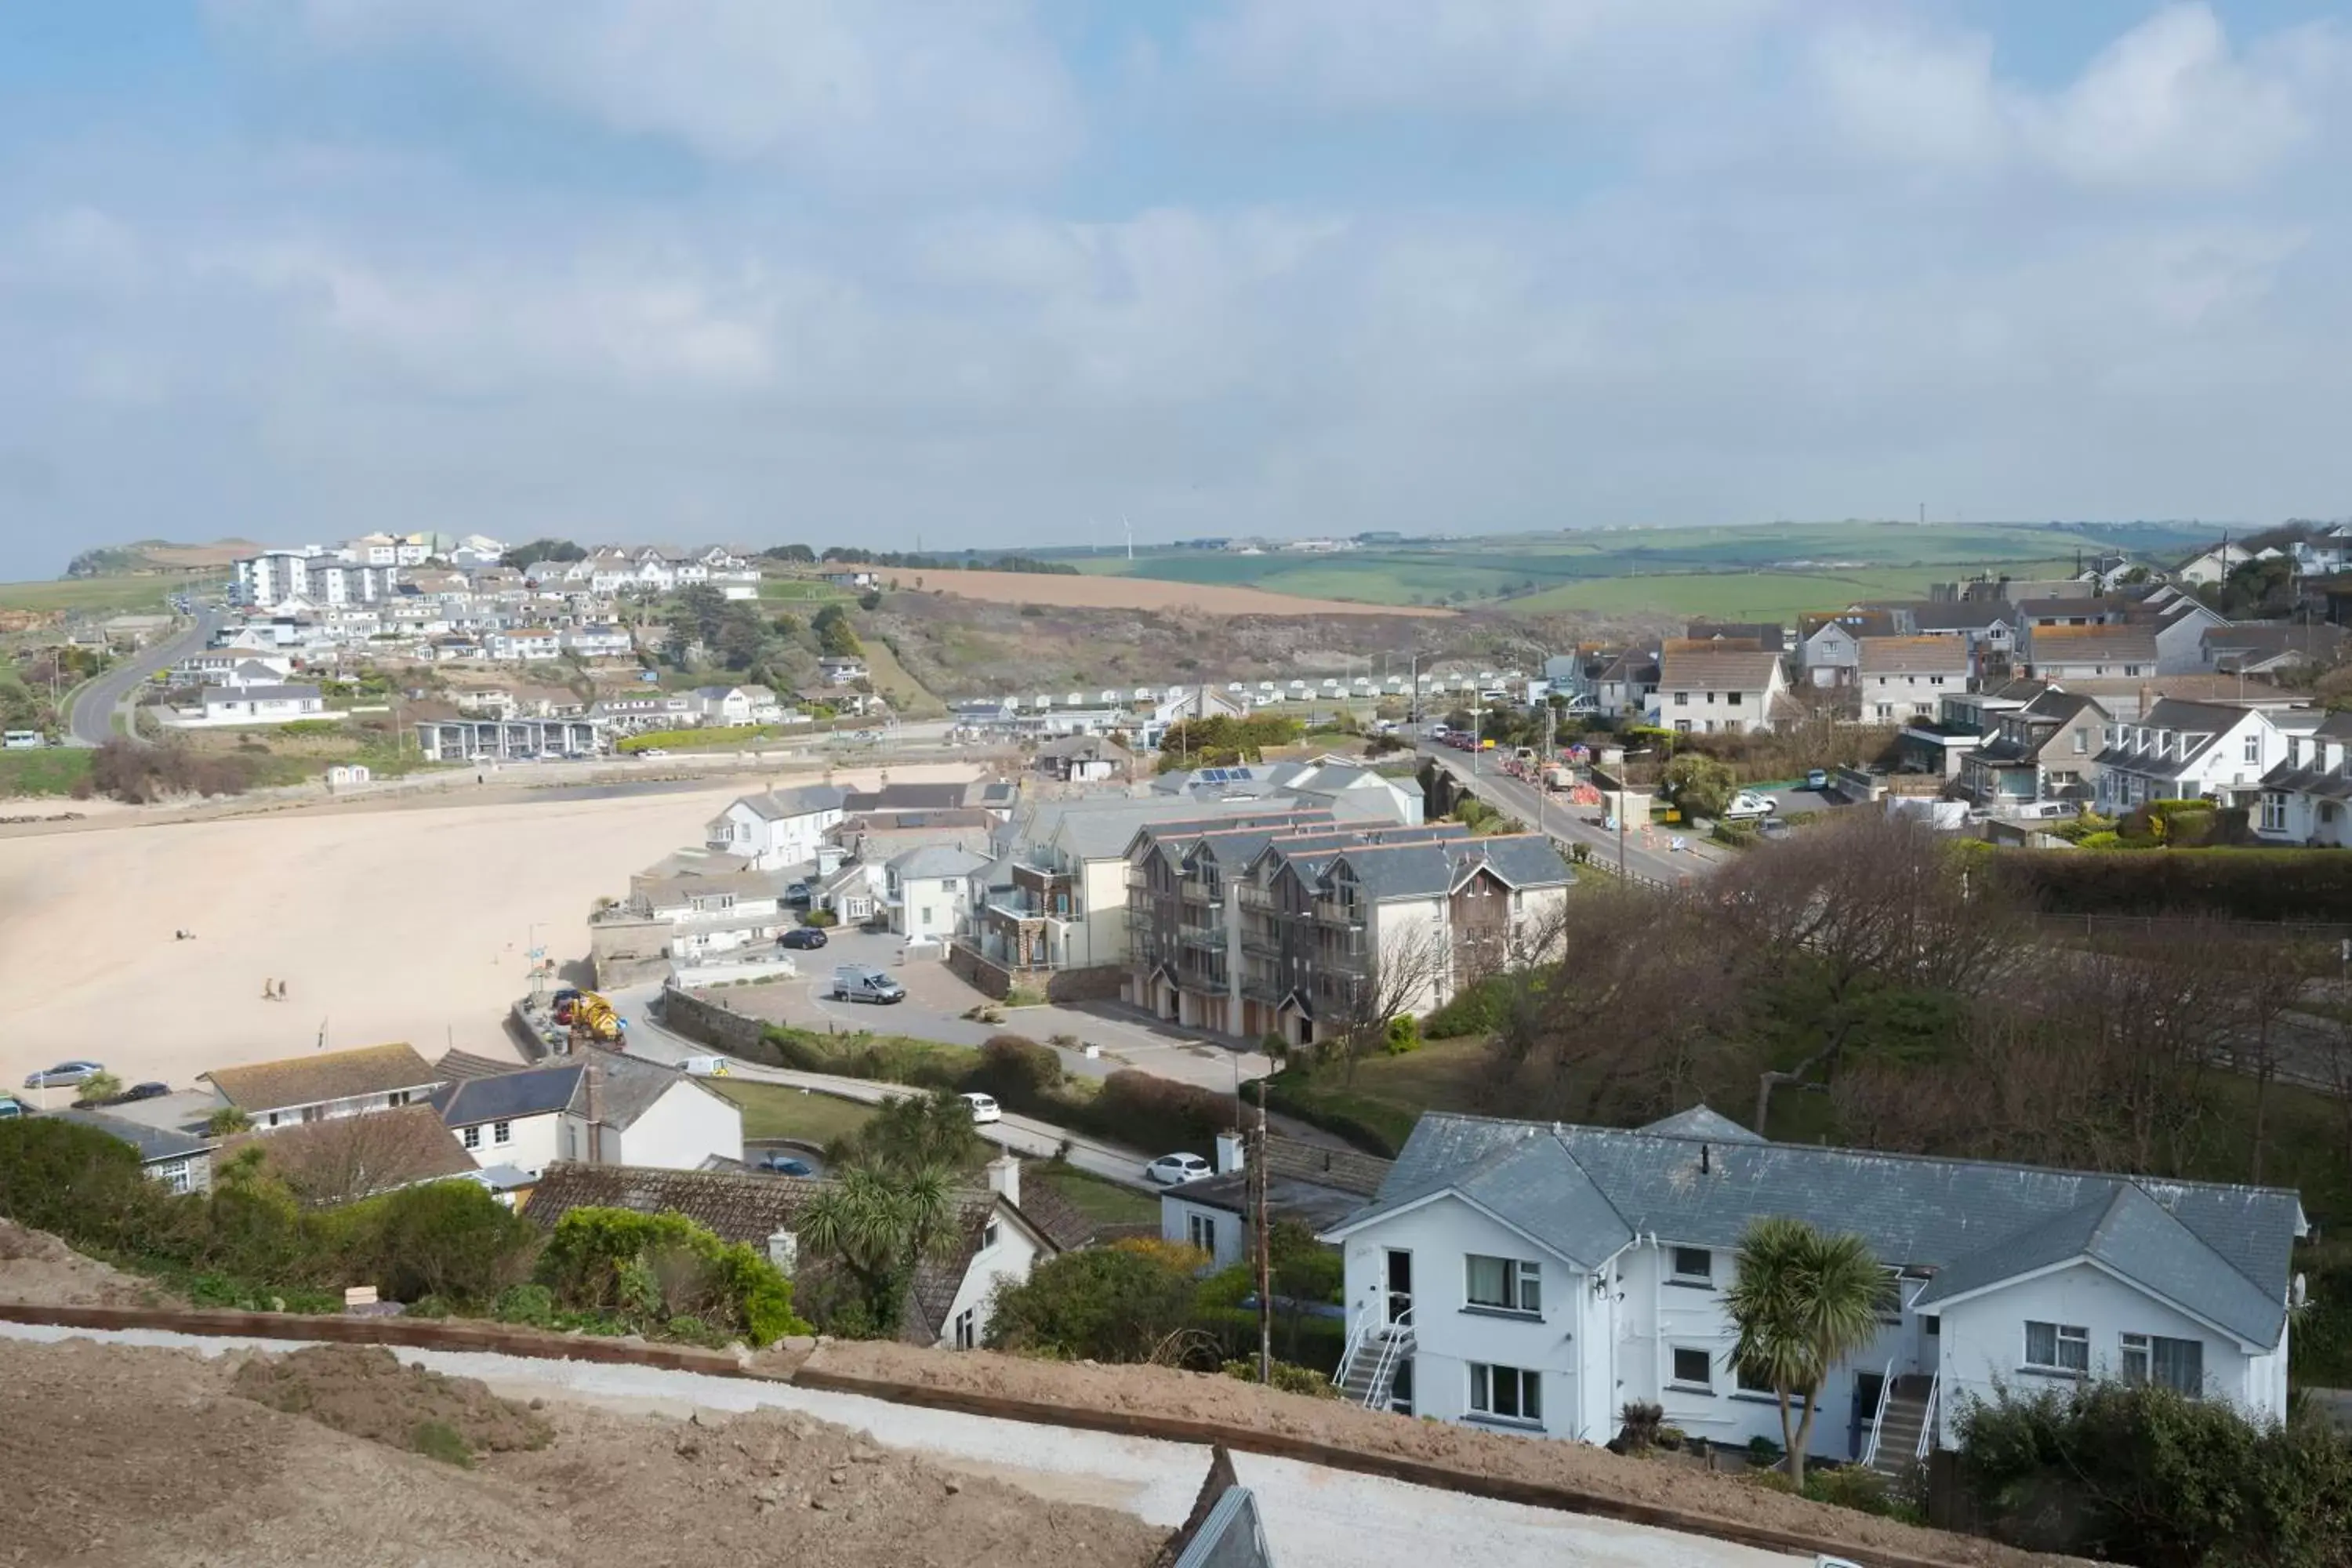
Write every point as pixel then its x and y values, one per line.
pixel 148 1090
pixel 782 1164
pixel 802 936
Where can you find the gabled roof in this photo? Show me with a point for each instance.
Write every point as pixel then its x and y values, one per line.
pixel 775 806
pixel 455 1066
pixel 937 861
pixel 1702 1122
pixel 154 1143
pixel 1963 615
pixel 2124 644
pixel 508 1097
pixel 1914 656
pixel 328 1075
pixel 1521 860
pixel 1683 666
pixel 907 798
pixel 1581 1191
pixel 631 1086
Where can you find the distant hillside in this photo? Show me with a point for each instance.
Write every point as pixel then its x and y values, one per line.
pixel 157 555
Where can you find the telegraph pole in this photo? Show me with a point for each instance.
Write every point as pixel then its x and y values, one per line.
pixel 1265 1246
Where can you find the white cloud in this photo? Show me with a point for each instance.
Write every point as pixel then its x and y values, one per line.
pixel 855 90
pixel 2170 105
pixel 1472 56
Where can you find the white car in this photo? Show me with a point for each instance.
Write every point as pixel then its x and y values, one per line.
pixel 653 751
pixel 1170 1170
pixel 1747 804
pixel 983 1108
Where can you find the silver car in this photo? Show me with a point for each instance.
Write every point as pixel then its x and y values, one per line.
pixel 65 1075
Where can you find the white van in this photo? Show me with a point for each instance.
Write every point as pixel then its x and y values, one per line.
pixel 706 1067
pixel 864 983
pixel 22 741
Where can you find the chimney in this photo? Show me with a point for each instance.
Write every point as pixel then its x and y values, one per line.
pixel 2146 698
pixel 596 1113
pixel 1229 1152
pixel 1004 1179
pixel 785 1251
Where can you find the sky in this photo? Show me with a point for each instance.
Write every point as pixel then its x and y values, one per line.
pixel 1002 272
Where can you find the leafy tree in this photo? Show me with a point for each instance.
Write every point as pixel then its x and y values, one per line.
pixel 798 554
pixel 1802 1302
pixel 228 1118
pixel 834 635
pixel 916 1133
pixel 879 1225
pixel 703 609
pixel 1700 785
pixel 1116 1303
pixel 538 549
pixel 99 1087
pixel 742 637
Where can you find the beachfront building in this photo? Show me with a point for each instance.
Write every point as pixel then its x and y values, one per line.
pixel 777 829
pixel 595 1107
pixel 508 740
pixel 323 1085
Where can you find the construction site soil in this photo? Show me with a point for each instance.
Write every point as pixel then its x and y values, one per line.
pixel 39 1269
pixel 1660 1480
pixel 144 1459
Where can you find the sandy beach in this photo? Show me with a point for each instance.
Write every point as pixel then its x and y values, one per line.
pixel 391 924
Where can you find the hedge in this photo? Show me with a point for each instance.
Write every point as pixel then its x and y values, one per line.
pixel 2229 884
pixel 1369 1124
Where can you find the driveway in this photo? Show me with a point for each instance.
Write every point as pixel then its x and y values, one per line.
pixel 1647 853
pixel 90 721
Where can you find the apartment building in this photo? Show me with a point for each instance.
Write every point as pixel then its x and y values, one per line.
pixel 1301 929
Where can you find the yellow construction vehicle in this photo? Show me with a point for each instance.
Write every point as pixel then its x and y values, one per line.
pixel 588 1016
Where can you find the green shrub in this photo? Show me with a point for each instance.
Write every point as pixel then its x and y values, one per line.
pixel 451 1239
pixel 440 1440
pixel 2231 884
pixel 1849 1485
pixel 312 726
pixel 1372 1125
pixel 530 1305
pixel 646 1269
pixel 1404 1035
pixel 1017 1071
pixel 1147 1112
pixel 1287 1379
pixel 2143 1475
pixel 820 918
pixel 1100 1303
pixel 1478 1008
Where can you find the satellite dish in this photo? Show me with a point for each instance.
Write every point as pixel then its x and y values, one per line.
pixel 2297 1292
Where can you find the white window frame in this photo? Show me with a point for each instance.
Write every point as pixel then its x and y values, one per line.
pixel 1703 1382
pixel 967 1329
pixel 989 1235
pixel 1676 1274
pixel 1485 1379
pixel 2064 1338
pixel 1522 1285
pixel 2253 752
pixel 173 1174
pixel 471 1137
pixel 501 1131
pixel 1201 1230
pixel 2273 812
pixel 2138 1361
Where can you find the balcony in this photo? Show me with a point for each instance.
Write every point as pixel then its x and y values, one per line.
pixel 1212 937
pixel 1259 987
pixel 1339 912
pixel 1262 939
pixel 1253 897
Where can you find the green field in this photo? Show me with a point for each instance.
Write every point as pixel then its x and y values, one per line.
pixel 777 1110
pixel 1760 571
pixel 52 770
pixel 112 593
pixel 1104 1202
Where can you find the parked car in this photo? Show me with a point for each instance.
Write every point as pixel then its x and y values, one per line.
pixel 65 1075
pixel 10 1107
pixel 776 1162
pixel 1746 805
pixel 1170 1170
pixel 1817 779
pixel 802 936
pixel 799 894
pixel 984 1108
pixel 653 751
pixel 864 983
pixel 150 1090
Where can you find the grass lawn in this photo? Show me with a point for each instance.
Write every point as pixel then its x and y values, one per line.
pixel 1104 1202
pixel 779 1110
pixel 1390 1093
pixel 120 593
pixel 1746 596
pixel 52 770
pixel 901 690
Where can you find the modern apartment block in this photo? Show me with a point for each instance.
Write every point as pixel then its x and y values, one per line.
pixel 1301 929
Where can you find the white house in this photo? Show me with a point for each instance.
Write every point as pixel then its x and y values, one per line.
pixel 841 670
pixel 528 644
pixel 738 704
pixel 324 1085
pixel 2209 567
pixel 1706 688
pixel 1536 1277
pixel 2090 652
pixel 1311 1183
pixel 1899 680
pixel 256 704
pixel 779 829
pixel 598 642
pixel 929 890
pixel 2180 750
pixel 2307 797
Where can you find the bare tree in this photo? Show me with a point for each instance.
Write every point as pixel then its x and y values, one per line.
pixel 1362 995
pixel 2261 986
pixel 346 1158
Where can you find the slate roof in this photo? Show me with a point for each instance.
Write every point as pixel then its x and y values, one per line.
pixel 907 798
pixel 1702 1122
pixel 1914 656
pixel 937 860
pixel 1962 615
pixel 2106 645
pixel 508 1097
pixel 1584 1191
pixel 1521 860
pixel 154 1143
pixel 2210 719
pixel 2305 777
pixel 632 1085
pixel 775 806
pixel 328 1075
pixel 2262 642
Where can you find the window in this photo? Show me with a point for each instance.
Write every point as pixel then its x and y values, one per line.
pixel 397 1096
pixel 1682 698
pixel 2273 813
pixel 2131 669
pixel 1503 1284
pixel 2176 1364
pixel 1201 1230
pixel 1748 1383
pixel 1733 699
pixel 1693 1369
pixel 2058 1347
pixel 987 1235
pixel 501 1131
pixel 1506 1392
pixel 967 1329
pixel 2253 753
pixel 472 1137
pixel 173 1175
pixel 1693 1265
pixel 2082 742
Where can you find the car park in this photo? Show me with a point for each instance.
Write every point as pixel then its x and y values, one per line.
pixel 864 983
pixel 984 1108
pixel 1746 805
pixel 1171 1170
pixel 1817 779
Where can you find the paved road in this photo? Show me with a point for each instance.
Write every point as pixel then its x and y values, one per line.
pixel 92 720
pixel 1570 824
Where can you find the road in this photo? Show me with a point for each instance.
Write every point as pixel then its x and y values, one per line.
pixel 91 722
pixel 1653 862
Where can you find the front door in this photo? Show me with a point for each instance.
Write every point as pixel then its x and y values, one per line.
pixel 1399 1294
pixel 1869 1389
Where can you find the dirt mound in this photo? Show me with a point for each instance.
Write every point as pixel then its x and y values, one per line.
pixel 146 1459
pixel 39 1269
pixel 365 1391
pixel 1213 1397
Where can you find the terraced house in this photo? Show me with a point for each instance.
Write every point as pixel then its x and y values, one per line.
pixel 1304 928
pixel 1535 1277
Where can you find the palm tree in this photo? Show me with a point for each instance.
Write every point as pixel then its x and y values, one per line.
pixel 881 1224
pixel 1803 1302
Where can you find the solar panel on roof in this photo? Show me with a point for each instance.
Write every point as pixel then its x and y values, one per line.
pixel 1237 772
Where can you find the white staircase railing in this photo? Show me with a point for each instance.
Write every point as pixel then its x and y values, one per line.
pixel 1355 1345
pixel 1928 1420
pixel 1878 1417
pixel 1394 1345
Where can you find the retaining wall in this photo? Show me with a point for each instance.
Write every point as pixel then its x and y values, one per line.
pixel 1099 984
